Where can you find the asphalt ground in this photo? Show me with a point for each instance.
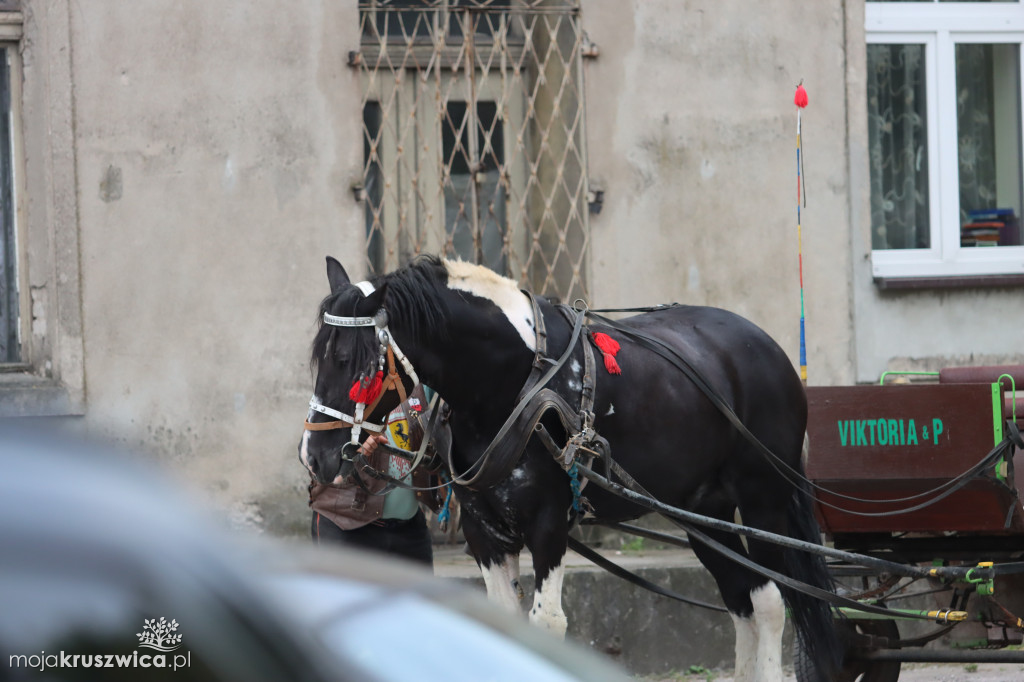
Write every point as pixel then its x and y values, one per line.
pixel 910 672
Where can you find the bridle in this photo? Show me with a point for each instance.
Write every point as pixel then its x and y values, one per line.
pixel 388 352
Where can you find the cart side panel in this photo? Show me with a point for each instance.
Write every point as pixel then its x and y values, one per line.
pixel 897 441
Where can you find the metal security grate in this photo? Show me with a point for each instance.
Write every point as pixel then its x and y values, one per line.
pixel 474 136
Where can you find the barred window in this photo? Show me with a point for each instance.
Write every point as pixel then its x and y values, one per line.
pixel 474 140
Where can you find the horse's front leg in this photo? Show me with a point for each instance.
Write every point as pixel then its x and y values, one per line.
pixel 547 609
pixel 501 578
pixel 547 542
pixel 496 554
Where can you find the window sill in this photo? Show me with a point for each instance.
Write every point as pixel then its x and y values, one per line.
pixel 956 282
pixel 25 395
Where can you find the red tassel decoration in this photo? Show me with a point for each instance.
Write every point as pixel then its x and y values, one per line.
pixel 608 347
pixel 800 99
pixel 367 391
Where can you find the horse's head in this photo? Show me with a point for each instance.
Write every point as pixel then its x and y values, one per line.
pixel 356 364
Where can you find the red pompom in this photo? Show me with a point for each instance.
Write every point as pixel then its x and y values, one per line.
pixel 608 347
pixel 800 99
pixel 611 365
pixel 367 391
pixel 605 343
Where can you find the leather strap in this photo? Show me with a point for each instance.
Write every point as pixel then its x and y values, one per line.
pixel 620 572
pixel 325 426
pixel 784 469
pixel 510 441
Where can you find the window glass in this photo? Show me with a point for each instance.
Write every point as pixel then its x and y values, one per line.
pixel 474 195
pixel 484 23
pixel 374 182
pixel 898 147
pixel 989 143
pixel 399 20
pixel 10 350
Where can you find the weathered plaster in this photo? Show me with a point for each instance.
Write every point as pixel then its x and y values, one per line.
pixel 693 130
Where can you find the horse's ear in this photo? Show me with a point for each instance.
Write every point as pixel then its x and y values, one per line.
pixel 336 275
pixel 373 302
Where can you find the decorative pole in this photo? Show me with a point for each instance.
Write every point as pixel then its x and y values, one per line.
pixel 800 100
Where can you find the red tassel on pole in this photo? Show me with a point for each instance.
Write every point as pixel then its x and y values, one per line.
pixel 800 98
pixel 608 347
pixel 366 391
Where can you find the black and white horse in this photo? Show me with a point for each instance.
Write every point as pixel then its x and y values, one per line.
pixel 470 334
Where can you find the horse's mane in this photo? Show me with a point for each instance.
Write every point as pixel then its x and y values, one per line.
pixel 412 299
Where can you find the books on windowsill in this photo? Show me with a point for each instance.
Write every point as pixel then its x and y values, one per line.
pixel 990 227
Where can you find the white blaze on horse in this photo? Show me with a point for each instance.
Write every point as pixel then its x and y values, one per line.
pixel 491 351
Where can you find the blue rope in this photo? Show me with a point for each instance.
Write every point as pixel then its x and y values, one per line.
pixel 445 513
pixel 574 484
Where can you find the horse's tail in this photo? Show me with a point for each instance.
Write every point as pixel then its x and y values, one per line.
pixel 812 618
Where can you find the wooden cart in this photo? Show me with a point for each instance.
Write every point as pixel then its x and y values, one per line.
pixel 899 472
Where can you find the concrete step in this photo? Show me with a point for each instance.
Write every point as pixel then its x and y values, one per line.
pixel 644 632
pixel 660 639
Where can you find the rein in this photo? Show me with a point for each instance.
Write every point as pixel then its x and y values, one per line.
pixel 786 471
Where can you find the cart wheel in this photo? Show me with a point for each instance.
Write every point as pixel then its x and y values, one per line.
pixel 853 670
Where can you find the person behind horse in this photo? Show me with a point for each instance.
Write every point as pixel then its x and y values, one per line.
pixel 359 515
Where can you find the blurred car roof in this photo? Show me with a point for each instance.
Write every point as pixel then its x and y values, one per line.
pixel 98 546
pixel 403 623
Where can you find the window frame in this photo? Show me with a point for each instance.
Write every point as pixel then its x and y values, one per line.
pixel 940 27
pixel 9 43
pixel 49 378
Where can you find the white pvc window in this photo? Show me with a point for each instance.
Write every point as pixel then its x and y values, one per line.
pixel 946 138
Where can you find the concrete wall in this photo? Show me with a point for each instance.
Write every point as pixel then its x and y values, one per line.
pixel 692 133
pixel 216 147
pixel 202 155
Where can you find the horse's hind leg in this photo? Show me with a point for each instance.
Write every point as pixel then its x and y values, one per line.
pixel 769 621
pixel 769 607
pixel 755 606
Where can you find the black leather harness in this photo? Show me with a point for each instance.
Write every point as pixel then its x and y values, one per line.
pixel 534 402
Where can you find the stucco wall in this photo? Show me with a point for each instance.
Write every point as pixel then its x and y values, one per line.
pixel 692 133
pixel 216 145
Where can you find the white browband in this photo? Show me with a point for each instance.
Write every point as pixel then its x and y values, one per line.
pixel 336 321
pixel 340 321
